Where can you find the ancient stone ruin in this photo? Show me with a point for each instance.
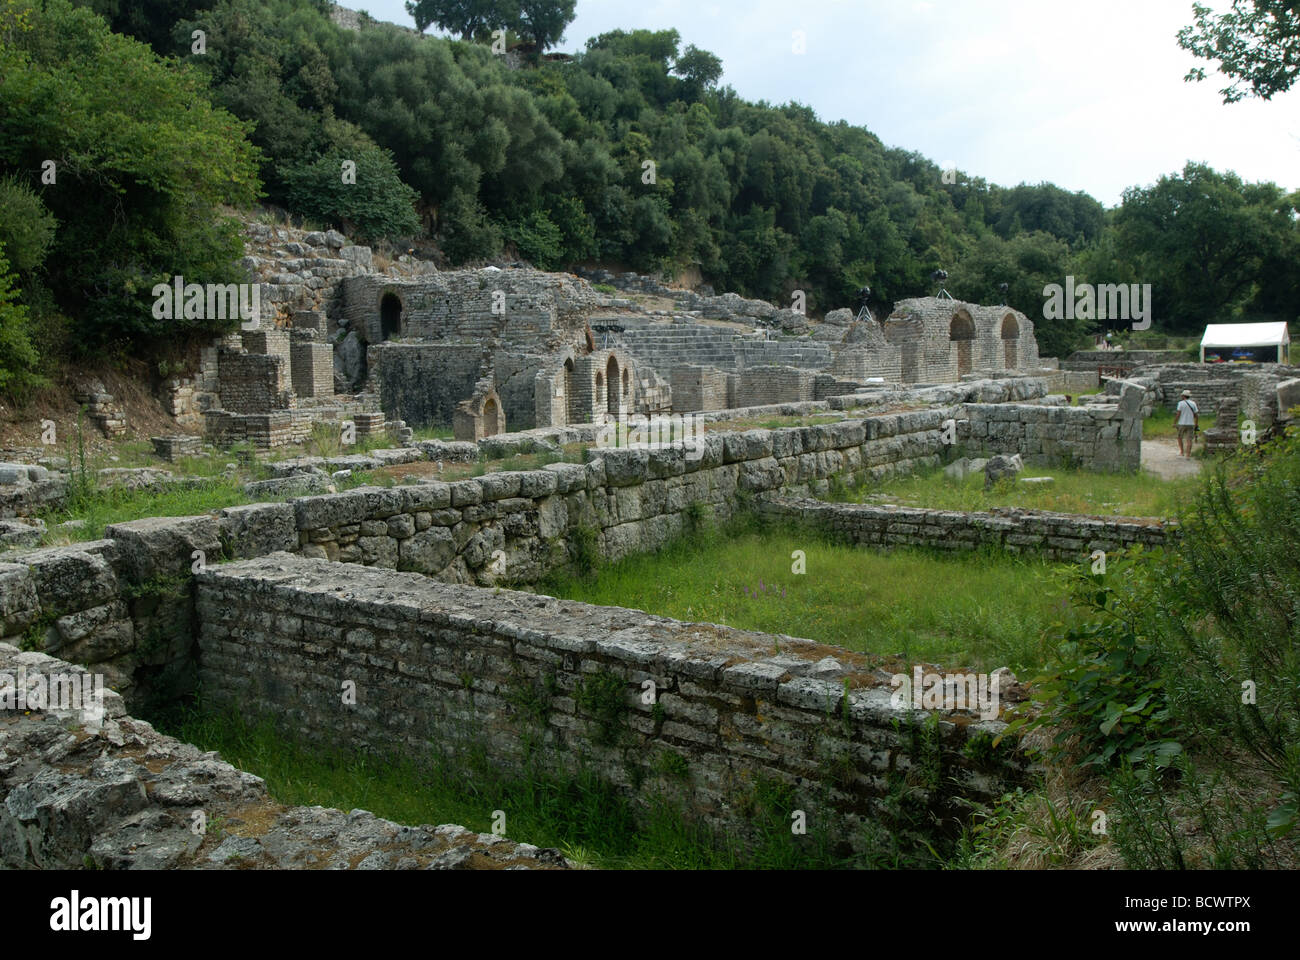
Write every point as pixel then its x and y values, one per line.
pixel 401 591
pixel 342 342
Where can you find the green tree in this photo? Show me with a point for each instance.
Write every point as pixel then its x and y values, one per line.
pixel 372 204
pixel 1256 44
pixel 26 226
pixel 468 19
pixel 700 69
pixel 18 358
pixel 537 239
pixel 1027 264
pixel 149 21
pixel 1201 239
pixel 544 21
pixel 142 161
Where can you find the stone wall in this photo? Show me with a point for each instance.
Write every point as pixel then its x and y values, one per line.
pixel 521 308
pixel 943 340
pixel 107 792
pixel 1096 437
pixel 121 605
pixel 421 383
pixel 27 489
pixel 1070 382
pixel 1054 536
pixel 280 428
pixel 532 680
pixel 253 382
pixel 697 388
pixel 312 368
pixel 756 386
pixel 1205 393
pixel 122 602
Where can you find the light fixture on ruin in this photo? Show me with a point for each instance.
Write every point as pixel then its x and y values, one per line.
pixel 864 309
pixel 939 276
pixel 605 329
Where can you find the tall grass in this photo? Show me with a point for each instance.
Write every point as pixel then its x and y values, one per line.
pixel 984 611
pixel 587 818
pixel 1182 688
pixel 1071 491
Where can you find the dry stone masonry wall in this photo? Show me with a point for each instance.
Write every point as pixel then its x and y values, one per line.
pixel 1054 536
pixel 109 792
pixel 527 680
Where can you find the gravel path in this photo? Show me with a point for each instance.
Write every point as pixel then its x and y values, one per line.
pixel 1161 458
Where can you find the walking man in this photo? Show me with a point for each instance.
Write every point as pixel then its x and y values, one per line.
pixel 1189 421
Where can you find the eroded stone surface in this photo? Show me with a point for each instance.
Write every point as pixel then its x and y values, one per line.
pixel 116 794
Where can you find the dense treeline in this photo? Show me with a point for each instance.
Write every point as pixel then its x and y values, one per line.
pixel 632 154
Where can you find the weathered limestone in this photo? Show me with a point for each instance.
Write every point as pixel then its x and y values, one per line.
pixel 108 792
pixel 479 416
pixel 1066 538
pixel 535 679
pixel 26 489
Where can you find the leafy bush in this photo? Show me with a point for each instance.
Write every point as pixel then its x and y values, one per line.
pixel 1197 649
pixel 18 358
pixel 143 161
pixel 376 205
pixel 26 226
pixel 538 240
pixel 1105 696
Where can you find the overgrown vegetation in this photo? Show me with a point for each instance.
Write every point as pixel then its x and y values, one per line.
pixel 548 162
pixel 1071 491
pixel 1181 692
pixel 128 155
pixel 991 611
pixel 585 816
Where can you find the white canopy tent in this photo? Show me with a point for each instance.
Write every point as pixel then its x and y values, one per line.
pixel 1248 336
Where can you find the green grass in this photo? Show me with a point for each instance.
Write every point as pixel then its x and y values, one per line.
pixel 984 611
pixel 581 815
pixel 117 504
pixel 1072 491
pixel 1162 425
pixel 434 433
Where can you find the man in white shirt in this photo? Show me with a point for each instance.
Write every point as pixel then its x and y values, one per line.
pixel 1189 421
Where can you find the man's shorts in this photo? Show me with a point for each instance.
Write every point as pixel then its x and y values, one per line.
pixel 1186 433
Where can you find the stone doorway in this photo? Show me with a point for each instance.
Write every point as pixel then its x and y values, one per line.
pixel 390 316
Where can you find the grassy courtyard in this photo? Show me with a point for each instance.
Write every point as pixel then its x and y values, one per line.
pixel 983 611
pixel 1071 491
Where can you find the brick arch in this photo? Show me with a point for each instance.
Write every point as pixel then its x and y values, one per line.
pixel 961 332
pixel 611 385
pixel 1010 341
pixel 571 414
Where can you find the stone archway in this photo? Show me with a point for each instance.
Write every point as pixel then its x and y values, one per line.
pixel 492 422
pixel 570 401
pixel 611 382
pixel 962 333
pixel 1010 342
pixel 390 316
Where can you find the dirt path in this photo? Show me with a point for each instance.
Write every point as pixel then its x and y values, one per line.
pixel 1161 458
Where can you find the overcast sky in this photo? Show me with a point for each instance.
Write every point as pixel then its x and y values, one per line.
pixel 1087 94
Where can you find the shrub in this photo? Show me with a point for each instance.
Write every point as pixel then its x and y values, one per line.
pixel 377 205
pixel 18 358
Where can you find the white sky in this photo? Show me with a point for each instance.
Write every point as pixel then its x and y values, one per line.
pixel 1087 95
